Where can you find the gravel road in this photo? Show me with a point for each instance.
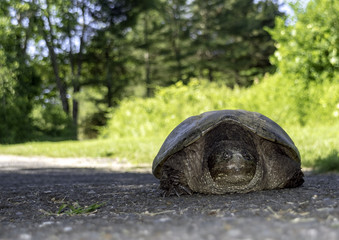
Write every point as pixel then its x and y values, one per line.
pixel 33 189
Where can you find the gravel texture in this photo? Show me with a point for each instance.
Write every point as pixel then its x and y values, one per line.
pixel 31 194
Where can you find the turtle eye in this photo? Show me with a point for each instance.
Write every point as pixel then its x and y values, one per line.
pixel 247 156
pixel 226 155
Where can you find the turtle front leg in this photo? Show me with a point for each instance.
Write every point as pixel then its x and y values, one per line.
pixel 172 182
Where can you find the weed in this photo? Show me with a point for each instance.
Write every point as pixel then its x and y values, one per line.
pixel 72 209
pixel 75 208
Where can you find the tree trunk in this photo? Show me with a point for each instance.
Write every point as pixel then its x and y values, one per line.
pixel 147 60
pixel 175 40
pixel 76 75
pixel 49 43
pixel 210 74
pixel 109 83
pixel 60 84
pixel 75 110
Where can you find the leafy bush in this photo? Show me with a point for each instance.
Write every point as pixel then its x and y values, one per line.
pixel 310 115
pixel 51 123
pixel 277 97
pixel 308 48
pixel 15 104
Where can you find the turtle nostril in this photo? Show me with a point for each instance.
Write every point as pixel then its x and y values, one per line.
pixel 237 157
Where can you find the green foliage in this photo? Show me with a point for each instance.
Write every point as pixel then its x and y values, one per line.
pixel 96 58
pixel 313 124
pixel 15 101
pixel 19 82
pixel 51 123
pixel 118 48
pixel 7 96
pixel 309 47
pixel 230 39
pixel 138 127
pixel 277 97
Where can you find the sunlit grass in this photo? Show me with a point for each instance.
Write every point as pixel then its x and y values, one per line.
pixel 137 151
pixel 318 146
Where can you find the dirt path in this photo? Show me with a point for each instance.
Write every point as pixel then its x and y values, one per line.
pixel 32 190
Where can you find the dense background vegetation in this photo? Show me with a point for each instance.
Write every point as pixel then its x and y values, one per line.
pixel 66 63
pixel 129 71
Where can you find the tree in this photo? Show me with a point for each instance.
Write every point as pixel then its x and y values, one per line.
pixel 177 35
pixel 111 48
pixel 60 55
pixel 109 59
pixel 308 47
pixel 65 28
pixel 48 30
pixel 145 36
pixel 155 46
pixel 18 78
pixel 230 39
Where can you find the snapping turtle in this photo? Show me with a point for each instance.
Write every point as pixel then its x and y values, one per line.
pixel 227 151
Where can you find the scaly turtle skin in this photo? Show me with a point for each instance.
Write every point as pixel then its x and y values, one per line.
pixel 227 151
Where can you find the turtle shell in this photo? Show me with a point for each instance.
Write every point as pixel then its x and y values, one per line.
pixel 193 128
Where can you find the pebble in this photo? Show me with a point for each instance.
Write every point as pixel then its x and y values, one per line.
pixel 325 209
pixel 163 219
pixel 68 229
pixel 46 224
pixel 304 220
pixel 234 233
pixel 25 236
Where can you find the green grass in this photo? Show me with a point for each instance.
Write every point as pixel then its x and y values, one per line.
pixel 137 151
pixel 74 208
pixel 318 146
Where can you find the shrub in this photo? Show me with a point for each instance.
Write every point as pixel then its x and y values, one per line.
pixel 279 97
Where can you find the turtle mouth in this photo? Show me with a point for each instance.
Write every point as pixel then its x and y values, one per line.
pixel 230 163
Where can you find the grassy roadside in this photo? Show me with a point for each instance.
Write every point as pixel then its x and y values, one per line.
pixel 137 151
pixel 318 146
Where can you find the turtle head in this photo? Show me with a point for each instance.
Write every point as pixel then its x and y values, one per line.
pixel 231 163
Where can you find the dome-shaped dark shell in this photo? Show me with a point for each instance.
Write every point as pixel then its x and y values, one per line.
pixel 193 128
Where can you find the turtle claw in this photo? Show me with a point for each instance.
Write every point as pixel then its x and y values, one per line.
pixel 186 189
pixel 177 190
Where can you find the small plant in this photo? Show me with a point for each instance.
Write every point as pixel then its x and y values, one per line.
pixel 75 208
